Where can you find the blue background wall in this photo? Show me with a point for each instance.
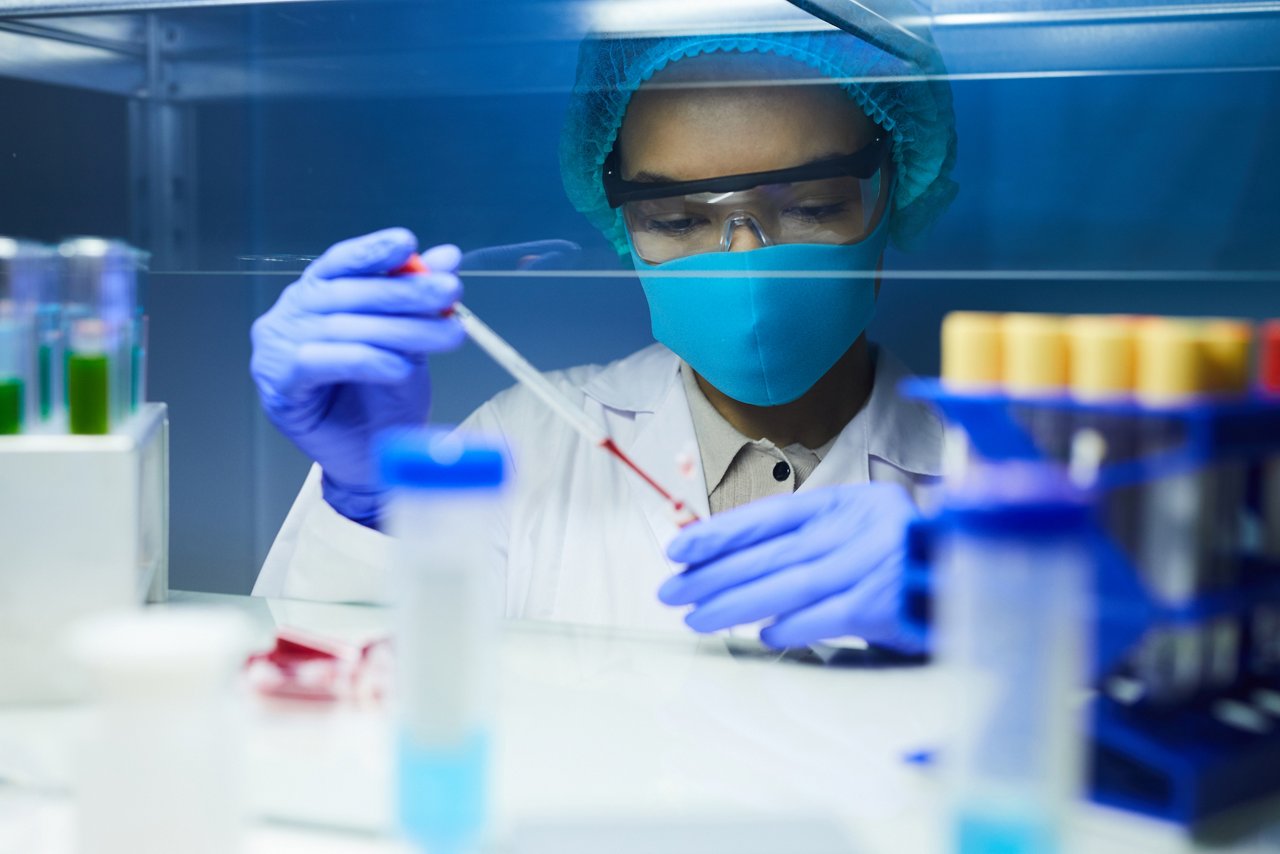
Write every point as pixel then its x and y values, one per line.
pixel 1069 186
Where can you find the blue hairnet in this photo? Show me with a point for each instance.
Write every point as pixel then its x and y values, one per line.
pixel 916 112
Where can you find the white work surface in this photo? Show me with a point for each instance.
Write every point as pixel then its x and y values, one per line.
pixel 606 742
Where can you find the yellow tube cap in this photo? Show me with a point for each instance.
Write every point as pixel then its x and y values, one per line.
pixel 971 350
pixel 1035 354
pixel 1227 348
pixel 1170 361
pixel 1103 356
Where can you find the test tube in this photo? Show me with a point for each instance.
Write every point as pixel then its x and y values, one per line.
pixel 444 492
pixel 102 305
pixel 1227 350
pixel 1266 620
pixel 1102 368
pixel 19 262
pixel 1014 570
pixel 1035 366
pixel 162 758
pixel 1175 535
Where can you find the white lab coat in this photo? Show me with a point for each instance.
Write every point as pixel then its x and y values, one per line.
pixel 581 539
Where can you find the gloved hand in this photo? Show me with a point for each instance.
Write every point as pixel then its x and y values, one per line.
pixel 342 355
pixel 821 564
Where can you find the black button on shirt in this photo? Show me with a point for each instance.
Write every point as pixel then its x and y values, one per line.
pixel 781 472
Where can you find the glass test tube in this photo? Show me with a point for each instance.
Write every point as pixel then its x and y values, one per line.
pixel 19 266
pixel 1175 537
pixel 1102 365
pixel 445 490
pixel 160 769
pixel 1035 366
pixel 1227 353
pixel 101 309
pixel 1014 574
pixel 1266 620
pixel 972 362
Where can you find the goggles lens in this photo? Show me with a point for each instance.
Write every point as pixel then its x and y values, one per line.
pixel 838 210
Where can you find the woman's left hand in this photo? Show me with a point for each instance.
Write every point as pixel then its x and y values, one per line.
pixel 820 565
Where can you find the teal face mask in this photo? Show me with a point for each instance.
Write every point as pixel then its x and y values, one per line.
pixel 761 339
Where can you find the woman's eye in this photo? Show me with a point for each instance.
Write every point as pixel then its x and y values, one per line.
pixel 674 227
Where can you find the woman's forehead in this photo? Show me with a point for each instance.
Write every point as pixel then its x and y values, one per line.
pixel 696 132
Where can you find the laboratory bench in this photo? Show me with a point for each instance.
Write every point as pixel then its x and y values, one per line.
pixel 606 740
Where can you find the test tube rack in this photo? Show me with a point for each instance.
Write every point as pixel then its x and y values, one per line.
pixel 1182 762
pixel 84 528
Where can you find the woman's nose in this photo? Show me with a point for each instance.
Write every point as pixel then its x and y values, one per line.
pixel 744 235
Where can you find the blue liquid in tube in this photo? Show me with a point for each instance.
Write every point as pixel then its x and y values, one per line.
pixel 994 831
pixel 443 793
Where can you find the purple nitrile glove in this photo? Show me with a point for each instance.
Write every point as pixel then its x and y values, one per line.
pixel 342 356
pixel 820 565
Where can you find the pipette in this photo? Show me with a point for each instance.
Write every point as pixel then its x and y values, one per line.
pixel 529 376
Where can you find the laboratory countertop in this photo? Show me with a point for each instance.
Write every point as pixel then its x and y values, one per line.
pixel 605 741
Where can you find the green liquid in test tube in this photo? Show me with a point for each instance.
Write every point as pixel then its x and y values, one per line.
pixel 44 365
pixel 88 401
pixel 11 392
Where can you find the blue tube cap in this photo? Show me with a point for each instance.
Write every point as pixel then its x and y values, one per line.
pixel 438 459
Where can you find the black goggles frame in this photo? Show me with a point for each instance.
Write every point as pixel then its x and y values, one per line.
pixel 861 164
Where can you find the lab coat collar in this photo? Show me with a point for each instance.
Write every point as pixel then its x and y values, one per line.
pixel 637 383
pixel 905 433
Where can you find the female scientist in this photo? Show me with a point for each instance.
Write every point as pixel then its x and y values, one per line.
pixel 726 159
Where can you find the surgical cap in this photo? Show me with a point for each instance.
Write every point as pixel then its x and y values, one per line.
pixel 916 112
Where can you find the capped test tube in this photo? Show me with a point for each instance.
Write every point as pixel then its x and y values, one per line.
pixel 1035 366
pixel 19 267
pixel 1175 538
pixel 1014 569
pixel 445 491
pixel 1266 620
pixel 100 315
pixel 1102 366
pixel 1227 350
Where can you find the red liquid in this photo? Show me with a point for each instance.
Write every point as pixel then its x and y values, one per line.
pixel 677 504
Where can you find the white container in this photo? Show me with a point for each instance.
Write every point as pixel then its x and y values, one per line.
pixel 161 765
pixel 1013 580
pixel 445 494
pixel 84 523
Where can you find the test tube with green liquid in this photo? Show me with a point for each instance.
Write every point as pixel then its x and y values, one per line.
pixel 14 373
pixel 99 318
pixel 89 370
pixel 19 266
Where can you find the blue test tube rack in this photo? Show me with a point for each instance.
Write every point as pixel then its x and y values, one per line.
pixel 1181 762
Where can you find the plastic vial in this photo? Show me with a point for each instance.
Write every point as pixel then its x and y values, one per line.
pixel 1266 620
pixel 19 267
pixel 161 765
pixel 1103 364
pixel 1014 570
pixel 102 284
pixel 90 358
pixel 1176 537
pixel 444 491
pixel 1035 367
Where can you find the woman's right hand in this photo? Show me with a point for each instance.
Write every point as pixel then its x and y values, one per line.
pixel 342 356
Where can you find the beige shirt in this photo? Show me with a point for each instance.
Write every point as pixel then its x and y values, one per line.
pixel 739 470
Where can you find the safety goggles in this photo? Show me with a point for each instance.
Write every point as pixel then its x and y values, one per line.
pixel 837 200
